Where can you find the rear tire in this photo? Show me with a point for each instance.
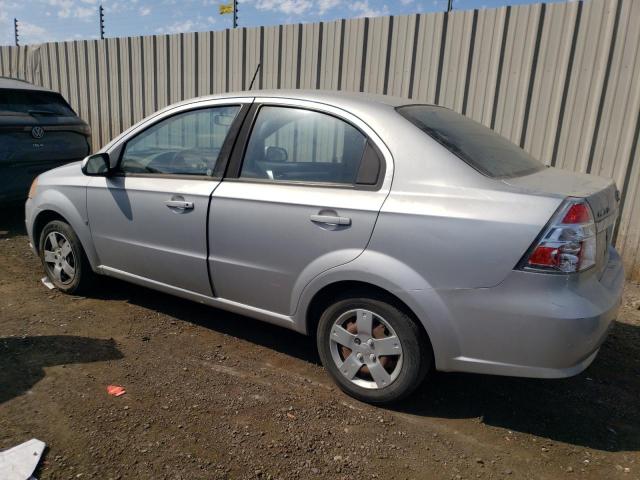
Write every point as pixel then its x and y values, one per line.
pixel 63 258
pixel 374 351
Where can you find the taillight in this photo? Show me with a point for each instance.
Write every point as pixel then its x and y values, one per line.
pixel 578 213
pixel 569 242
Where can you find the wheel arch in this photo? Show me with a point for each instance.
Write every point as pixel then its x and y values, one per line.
pixel 39 223
pixel 326 295
pixel 48 214
pixel 377 272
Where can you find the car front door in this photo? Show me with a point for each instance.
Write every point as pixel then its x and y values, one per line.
pixel 303 196
pixel 149 219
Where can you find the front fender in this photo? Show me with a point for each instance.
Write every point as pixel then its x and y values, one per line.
pixel 71 204
pixel 399 279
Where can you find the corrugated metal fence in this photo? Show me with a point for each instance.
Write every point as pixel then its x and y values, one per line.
pixel 561 80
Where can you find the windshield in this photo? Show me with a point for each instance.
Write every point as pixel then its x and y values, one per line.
pixel 479 146
pixel 33 103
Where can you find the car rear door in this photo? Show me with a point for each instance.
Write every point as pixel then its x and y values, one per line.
pixel 149 220
pixel 302 195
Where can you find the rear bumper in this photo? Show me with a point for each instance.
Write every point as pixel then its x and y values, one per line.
pixel 535 324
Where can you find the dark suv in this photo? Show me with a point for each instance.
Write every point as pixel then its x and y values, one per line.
pixel 38 131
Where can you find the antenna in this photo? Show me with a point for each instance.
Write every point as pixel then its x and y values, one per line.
pixel 254 76
pixel 15 32
pixel 101 10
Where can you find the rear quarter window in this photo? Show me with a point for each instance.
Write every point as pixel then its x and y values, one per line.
pixel 479 146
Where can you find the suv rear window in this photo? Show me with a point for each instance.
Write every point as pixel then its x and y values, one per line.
pixel 479 146
pixel 33 103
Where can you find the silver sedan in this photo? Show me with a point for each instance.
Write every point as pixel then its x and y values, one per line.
pixel 405 237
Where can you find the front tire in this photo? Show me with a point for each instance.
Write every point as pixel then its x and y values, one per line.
pixel 63 258
pixel 374 351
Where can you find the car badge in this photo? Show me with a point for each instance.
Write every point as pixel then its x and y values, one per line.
pixel 37 132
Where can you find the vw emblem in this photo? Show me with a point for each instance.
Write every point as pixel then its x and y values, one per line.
pixel 37 132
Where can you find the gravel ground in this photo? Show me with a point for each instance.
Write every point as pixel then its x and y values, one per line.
pixel 211 395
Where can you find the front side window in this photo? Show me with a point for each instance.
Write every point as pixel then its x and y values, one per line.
pixel 296 145
pixel 188 143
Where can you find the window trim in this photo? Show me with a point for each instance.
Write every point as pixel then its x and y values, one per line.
pixel 225 150
pixel 234 167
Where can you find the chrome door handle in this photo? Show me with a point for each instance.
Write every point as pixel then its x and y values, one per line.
pixel 330 220
pixel 179 204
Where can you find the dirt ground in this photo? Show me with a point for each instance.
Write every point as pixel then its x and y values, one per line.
pixel 211 395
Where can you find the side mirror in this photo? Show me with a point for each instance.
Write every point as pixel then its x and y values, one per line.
pixel 275 155
pixel 97 165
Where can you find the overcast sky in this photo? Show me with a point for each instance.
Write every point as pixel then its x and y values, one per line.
pixel 51 20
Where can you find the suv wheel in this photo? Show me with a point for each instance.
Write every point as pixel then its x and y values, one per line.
pixel 374 351
pixel 63 258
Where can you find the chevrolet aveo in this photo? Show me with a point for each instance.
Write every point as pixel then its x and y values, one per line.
pixel 404 237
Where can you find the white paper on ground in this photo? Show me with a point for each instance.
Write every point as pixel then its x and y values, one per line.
pixel 45 281
pixel 19 462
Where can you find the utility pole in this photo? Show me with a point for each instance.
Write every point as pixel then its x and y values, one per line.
pixel 235 13
pixel 101 22
pixel 231 7
pixel 450 6
pixel 15 32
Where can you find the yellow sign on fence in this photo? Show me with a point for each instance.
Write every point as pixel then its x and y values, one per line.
pixel 226 8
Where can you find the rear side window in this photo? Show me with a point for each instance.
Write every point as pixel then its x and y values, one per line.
pixel 479 146
pixel 33 103
pixel 297 145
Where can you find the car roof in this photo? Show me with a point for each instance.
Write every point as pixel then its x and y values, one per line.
pixel 331 96
pixel 364 105
pixel 18 84
pixel 343 99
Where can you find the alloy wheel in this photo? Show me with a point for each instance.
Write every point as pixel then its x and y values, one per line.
pixel 366 349
pixel 59 258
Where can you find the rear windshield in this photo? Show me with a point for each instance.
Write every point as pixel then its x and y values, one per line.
pixel 33 103
pixel 479 146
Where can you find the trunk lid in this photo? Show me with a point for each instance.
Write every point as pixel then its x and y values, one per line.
pixel 601 194
pixel 32 144
pixel 27 138
pixel 38 127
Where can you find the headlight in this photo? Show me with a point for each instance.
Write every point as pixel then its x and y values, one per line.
pixel 32 190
